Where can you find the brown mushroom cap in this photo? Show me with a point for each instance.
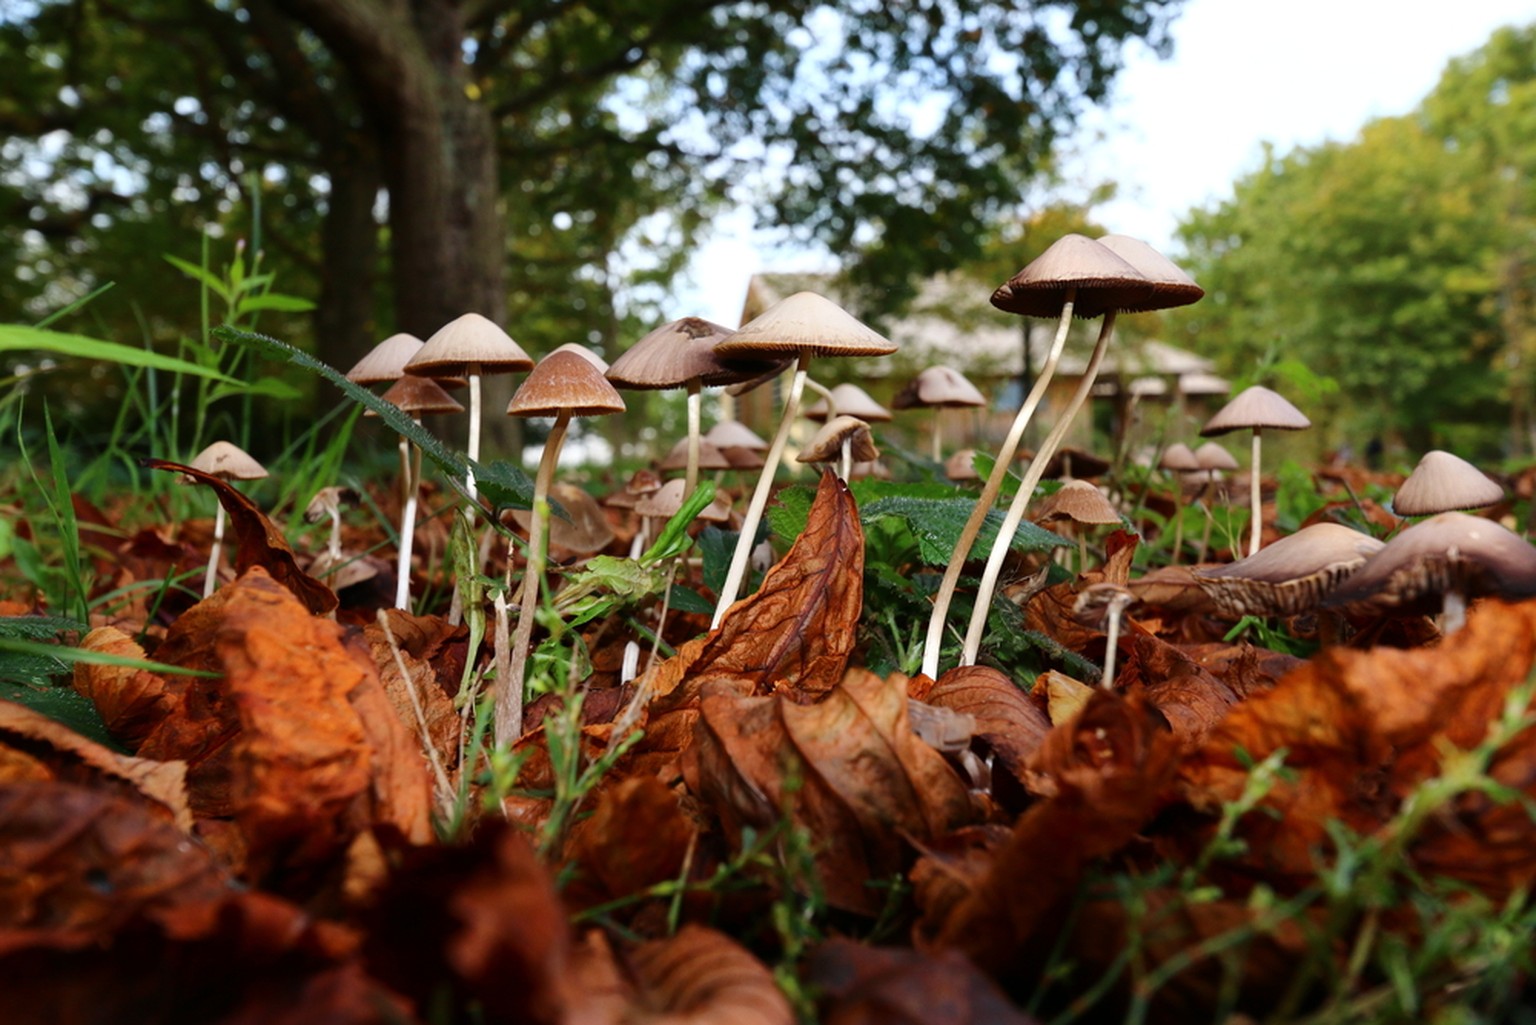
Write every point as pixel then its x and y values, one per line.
pixel 962 465
pixel 852 400
pixel 582 531
pixel 420 396
pixel 1082 463
pixel 827 445
pixel 742 458
pixel 1443 482
pixel 1451 552
pixel 1103 281
pixel 734 434
pixel 585 353
pixel 564 382
pixel 804 321
pixel 467 342
pixel 664 502
pixel 938 387
pixel 1171 286
pixel 1256 408
pixel 683 351
pixel 342 571
pixel 1290 576
pixel 710 457
pixel 1179 458
pixel 1079 501
pixel 386 361
pixel 228 460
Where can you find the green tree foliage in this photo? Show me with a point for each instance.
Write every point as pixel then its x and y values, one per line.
pixel 1398 264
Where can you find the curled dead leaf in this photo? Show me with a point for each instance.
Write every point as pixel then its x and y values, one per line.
pixel 130 701
pixel 862 985
pixel 1006 719
pixel 702 976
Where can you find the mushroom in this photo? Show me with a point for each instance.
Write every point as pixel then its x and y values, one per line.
pixel 1451 556
pixel 563 385
pixel 803 325
pixel 842 440
pixel 1100 606
pixel 1443 482
pixel 1257 409
pixel 961 466
pixel 847 399
pixel 734 434
pixel 229 461
pixel 695 454
pixel 1212 460
pixel 1075 505
pixel 682 355
pixel 583 530
pixel 939 388
pixel 1178 460
pixel 469 346
pixel 1290 576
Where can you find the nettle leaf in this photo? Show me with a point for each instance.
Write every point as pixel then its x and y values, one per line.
pixel 63 705
pixel 716 546
pixel 23 659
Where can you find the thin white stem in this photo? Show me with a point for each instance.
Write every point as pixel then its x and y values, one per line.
pixel 1112 642
pixel 989 493
pixel 845 464
pixel 212 576
pixel 1021 498
pixel 695 406
pixel 938 445
pixel 826 394
pixel 473 449
pixel 754 515
pixel 333 546
pixel 407 525
pixel 405 466
pixel 1453 612
pixel 1253 491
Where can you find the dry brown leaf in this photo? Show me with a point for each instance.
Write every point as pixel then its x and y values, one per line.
pixel 848 769
pixel 130 701
pixel 702 977
pixel 862 985
pixel 442 719
pixel 1065 695
pixel 1012 725
pixel 258 541
pixel 797 631
pixel 636 836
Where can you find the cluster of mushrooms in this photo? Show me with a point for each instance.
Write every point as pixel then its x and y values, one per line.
pixel 1447 558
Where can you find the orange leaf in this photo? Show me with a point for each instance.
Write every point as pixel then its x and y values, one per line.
pixel 1011 724
pixel 860 984
pixel 131 701
pixel 702 976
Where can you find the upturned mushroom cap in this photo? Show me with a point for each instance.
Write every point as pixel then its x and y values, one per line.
pixel 419 395
pixel 386 361
pixel 683 351
pixel 1079 501
pixel 565 382
pixel 1179 458
pixel 1171 285
pixel 328 500
pixel 1103 281
pixel 1443 482
pixel 1292 575
pixel 827 445
pixel 1256 408
pixel 804 322
pixel 734 434
pixel 710 457
pixel 583 530
pixel 1451 552
pixel 228 460
pixel 344 570
pixel 465 342
pixel 938 387
pixel 852 400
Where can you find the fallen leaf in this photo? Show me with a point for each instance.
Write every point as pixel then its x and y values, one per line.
pixel 861 985
pixel 636 836
pixel 1065 695
pixel 1006 719
pixel 130 701
pixel 702 976
pixel 443 723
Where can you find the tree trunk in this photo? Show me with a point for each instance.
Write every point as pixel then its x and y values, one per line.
pixel 346 316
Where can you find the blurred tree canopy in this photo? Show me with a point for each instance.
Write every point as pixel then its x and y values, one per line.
pixel 522 158
pixel 1401 264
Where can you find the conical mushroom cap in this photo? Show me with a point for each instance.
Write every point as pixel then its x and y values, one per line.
pixel 734 434
pixel 1256 408
pixel 564 382
pixel 586 354
pixel 710 457
pixel 852 400
pixel 228 460
pixel 1171 286
pixel 827 445
pixel 1102 280
pixel 1079 501
pixel 582 530
pixel 804 322
pixel 470 341
pixel 1211 456
pixel 1290 576
pixel 684 350
pixel 419 395
pixel 386 361
pixel 742 458
pixel 1179 458
pixel 664 502
pixel 1449 552
pixel 938 387
pixel 1443 482
pixel 962 465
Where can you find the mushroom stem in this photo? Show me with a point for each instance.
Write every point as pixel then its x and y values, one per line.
pixel 754 514
pixel 695 406
pixel 846 463
pixel 989 493
pixel 938 446
pixel 1253 491
pixel 333 546
pixel 1112 643
pixel 1179 508
pixel 827 396
pixel 509 697
pixel 407 525
pixel 1453 612
pixel 405 467
pixel 1020 503
pixel 215 550
pixel 473 448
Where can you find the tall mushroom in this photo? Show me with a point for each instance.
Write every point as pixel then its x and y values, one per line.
pixel 804 325
pixel 1256 409
pixel 842 441
pixel 384 364
pixel 563 385
pixel 847 400
pixel 1178 460
pixel 939 388
pixel 1211 461
pixel 231 462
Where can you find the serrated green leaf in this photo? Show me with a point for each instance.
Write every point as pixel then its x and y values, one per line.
pixel 716 547
pixel 62 705
pixel 36 627
pixel 270 387
pixel 938 523
pixel 686 599
pixel 21 338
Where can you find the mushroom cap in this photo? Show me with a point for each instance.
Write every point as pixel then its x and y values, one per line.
pixel 343 571
pixel 466 342
pixel 1443 482
pixel 710 457
pixel 1171 286
pixel 419 395
pixel 1211 456
pixel 683 351
pixel 871 468
pixel 328 500
pixel 228 460
pixel 962 465
pixel 586 353
pixel 1179 458
pixel 1256 408
pixel 386 361
pixel 804 322
pixel 1079 501
pixel 852 400
pixel 743 458
pixel 582 531
pixel 734 434
pixel 664 502
pixel 1290 576
pixel 1103 281
pixel 827 445
pixel 564 382
pixel 937 387
pixel 1452 551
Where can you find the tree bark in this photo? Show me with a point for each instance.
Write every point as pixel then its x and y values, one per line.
pixel 346 315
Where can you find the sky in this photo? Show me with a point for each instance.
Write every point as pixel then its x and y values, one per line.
pixel 1178 132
